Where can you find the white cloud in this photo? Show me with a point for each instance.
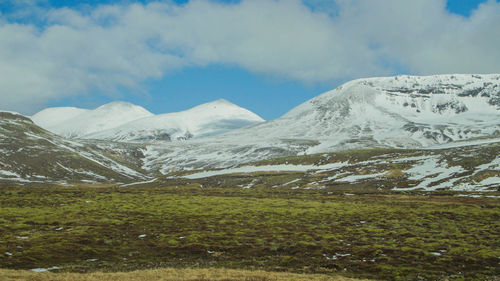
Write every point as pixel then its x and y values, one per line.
pixel 109 47
pixel 425 38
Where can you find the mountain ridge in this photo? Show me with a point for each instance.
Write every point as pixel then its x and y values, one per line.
pixel 82 122
pixel 126 122
pixel 400 112
pixel 210 118
pixel 403 112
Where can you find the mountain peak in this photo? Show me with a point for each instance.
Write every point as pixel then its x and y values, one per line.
pixel 118 104
pixel 124 121
pixel 75 122
pixel 401 111
pixel 52 116
pixel 221 102
pixel 215 103
pixel 222 108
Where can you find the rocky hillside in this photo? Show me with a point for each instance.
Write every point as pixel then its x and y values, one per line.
pixel 30 154
pixel 468 168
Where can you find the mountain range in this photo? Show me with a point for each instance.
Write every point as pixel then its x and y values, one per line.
pixel 126 122
pixel 405 112
pixel 399 112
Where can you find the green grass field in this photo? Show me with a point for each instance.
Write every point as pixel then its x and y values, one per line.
pixel 376 236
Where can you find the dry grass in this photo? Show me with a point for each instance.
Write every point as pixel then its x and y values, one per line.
pixel 168 274
pixel 394 173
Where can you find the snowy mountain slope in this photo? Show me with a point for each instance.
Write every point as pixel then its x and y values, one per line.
pixel 30 154
pixel 78 122
pixel 401 111
pixel 467 168
pixel 51 117
pixel 211 118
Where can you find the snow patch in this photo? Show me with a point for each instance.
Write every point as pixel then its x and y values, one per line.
pixel 267 168
pixel 39 270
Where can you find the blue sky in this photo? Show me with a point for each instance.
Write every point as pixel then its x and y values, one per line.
pixel 263 73
pixel 463 7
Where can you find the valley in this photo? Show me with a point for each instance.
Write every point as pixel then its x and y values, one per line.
pixel 394 178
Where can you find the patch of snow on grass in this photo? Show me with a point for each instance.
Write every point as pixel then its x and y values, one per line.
pixel 140 182
pixel 490 181
pixel 9 173
pixel 355 178
pixel 290 182
pixel 493 165
pixel 44 269
pixel 267 168
pixel 431 171
pixel 469 195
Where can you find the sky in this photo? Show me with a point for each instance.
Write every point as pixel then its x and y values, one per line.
pixel 265 55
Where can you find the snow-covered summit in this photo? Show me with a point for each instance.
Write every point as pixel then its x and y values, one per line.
pixel 437 94
pixel 220 109
pixel 52 116
pixel 211 118
pixel 401 111
pixel 396 111
pixel 76 122
pixel 123 121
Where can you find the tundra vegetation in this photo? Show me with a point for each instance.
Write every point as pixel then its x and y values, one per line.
pixel 361 234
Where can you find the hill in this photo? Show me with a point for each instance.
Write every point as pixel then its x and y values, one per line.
pixel 31 154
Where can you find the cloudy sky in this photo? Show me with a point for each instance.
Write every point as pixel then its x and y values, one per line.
pixel 265 55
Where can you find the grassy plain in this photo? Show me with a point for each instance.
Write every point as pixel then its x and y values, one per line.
pixel 375 236
pixel 170 274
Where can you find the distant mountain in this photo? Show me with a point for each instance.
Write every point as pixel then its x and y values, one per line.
pixel 125 122
pixel 446 126
pixel 211 118
pixel 51 117
pixel 30 154
pixel 76 123
pixel 400 112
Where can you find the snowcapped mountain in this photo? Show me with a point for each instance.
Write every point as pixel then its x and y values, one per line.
pixel 452 120
pixel 75 122
pixel 402 111
pixel 30 154
pixel 211 118
pixel 51 117
pixel 121 121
